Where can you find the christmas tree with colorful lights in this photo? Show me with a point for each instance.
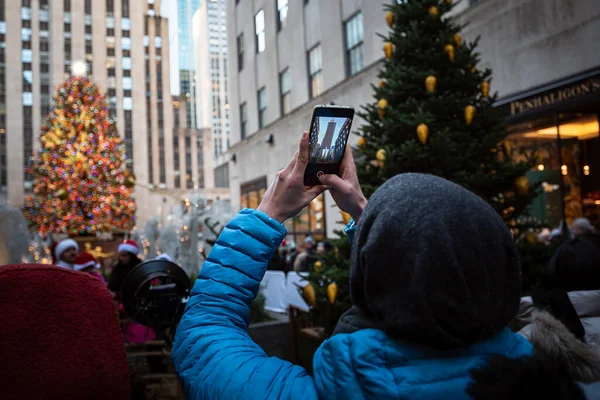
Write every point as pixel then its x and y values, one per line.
pixel 81 183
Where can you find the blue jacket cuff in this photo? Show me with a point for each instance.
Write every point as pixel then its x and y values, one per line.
pixel 350 229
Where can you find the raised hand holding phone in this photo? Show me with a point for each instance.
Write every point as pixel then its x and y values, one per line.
pixel 288 195
pixel 345 188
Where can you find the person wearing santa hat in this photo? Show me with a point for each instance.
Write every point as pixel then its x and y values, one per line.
pixel 65 252
pixel 85 262
pixel 128 260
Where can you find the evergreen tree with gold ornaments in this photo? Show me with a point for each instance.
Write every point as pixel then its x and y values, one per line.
pixel 432 113
pixel 81 184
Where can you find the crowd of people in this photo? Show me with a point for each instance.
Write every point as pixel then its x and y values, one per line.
pixel 288 257
pixel 65 253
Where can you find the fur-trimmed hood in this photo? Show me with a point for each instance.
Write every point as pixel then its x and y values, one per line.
pixel 554 343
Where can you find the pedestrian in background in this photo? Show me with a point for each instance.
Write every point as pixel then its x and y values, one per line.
pixel 65 253
pixel 85 262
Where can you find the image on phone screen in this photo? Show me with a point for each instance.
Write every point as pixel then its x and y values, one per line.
pixel 329 130
pixel 328 139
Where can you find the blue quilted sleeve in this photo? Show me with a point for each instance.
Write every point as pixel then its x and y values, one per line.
pixel 212 353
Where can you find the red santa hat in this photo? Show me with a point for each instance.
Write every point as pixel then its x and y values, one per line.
pixel 63 246
pixel 130 246
pixel 85 260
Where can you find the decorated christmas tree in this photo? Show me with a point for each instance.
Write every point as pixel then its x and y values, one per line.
pixel 81 184
pixel 328 293
pixel 432 112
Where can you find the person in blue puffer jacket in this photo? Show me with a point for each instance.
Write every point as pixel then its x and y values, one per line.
pixel 435 279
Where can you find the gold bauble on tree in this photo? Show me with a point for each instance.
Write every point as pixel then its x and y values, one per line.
pixel 381 84
pixel 381 155
pixel 448 2
pixel 332 292
pixel 469 114
pixel 507 145
pixel 457 39
pixel 62 194
pixel 474 70
pixel 382 106
pixel 345 217
pixel 309 294
pixel 485 89
pixel 423 133
pixel 389 18
pixel 388 49
pixel 433 11
pixel 361 143
pixel 449 50
pixel 317 266
pixel 522 185
pixel 430 83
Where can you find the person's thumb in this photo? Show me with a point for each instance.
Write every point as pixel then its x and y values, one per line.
pixel 332 181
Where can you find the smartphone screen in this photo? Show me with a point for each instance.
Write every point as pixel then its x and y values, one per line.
pixel 329 131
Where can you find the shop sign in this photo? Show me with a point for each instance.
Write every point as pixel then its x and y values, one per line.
pixel 579 89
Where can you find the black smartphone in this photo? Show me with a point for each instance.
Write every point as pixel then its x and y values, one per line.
pixel 329 130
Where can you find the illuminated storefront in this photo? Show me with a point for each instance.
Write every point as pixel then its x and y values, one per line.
pixel 558 126
pixel 309 222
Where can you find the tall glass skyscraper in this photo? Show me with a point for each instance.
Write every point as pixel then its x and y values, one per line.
pixel 180 14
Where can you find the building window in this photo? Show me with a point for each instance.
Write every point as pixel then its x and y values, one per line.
pixel 354 44
pixel 176 160
pixel 125 9
pixel 162 173
pixel 243 120
pixel 189 183
pixel 315 71
pixel 282 11
pixel 240 50
pixel 259 29
pixel 222 176
pixel 261 96
pixel 67 5
pixel 129 136
pixel 253 192
pixel 285 87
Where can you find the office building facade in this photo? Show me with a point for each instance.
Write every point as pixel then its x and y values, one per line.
pixel 124 47
pixel 291 56
pixel 211 65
